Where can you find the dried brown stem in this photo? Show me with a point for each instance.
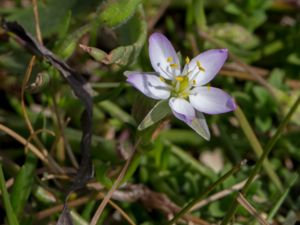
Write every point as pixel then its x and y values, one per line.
pixel 80 201
pixel 113 188
pixel 219 195
pixel 50 161
pixel 37 22
pixel 243 202
pixel 24 142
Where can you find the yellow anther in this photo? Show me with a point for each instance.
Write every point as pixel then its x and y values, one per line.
pixel 162 79
pixel 200 66
pixel 179 79
pixel 169 59
pixel 174 65
pixel 208 87
pixel 187 60
pixel 194 82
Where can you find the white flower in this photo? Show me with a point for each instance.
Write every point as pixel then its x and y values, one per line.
pixel 188 98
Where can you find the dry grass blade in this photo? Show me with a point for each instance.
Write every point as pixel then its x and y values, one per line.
pixel 78 202
pixel 61 126
pixel 150 199
pixel 24 112
pixel 25 81
pixel 35 133
pixel 219 195
pixel 53 165
pixel 37 21
pixel 121 211
pixel 243 202
pixel 113 188
pixel 24 142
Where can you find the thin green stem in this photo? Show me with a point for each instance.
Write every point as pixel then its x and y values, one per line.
pixel 256 146
pixel 258 165
pixel 185 209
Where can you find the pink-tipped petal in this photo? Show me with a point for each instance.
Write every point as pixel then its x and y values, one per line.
pixel 204 67
pixel 182 110
pixel 149 85
pixel 211 100
pixel 163 57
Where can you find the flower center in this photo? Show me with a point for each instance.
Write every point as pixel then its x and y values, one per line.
pixel 181 85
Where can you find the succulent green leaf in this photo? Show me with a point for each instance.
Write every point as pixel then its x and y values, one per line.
pixel 96 53
pixel 132 38
pixel 43 195
pixel 113 13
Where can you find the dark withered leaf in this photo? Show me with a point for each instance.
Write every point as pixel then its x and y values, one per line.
pixel 83 92
pixel 65 217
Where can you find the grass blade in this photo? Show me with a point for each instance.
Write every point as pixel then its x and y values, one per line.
pixel 11 217
pixel 23 184
pixel 256 146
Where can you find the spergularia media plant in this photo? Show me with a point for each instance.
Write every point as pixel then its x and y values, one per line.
pixel 182 90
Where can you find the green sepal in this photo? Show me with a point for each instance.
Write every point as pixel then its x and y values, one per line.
pixel 157 113
pixel 200 126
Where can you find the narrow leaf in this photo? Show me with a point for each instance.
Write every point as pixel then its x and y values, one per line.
pixel 11 217
pixel 23 184
pixel 281 199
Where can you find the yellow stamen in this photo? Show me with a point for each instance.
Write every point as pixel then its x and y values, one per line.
pixel 187 60
pixel 200 66
pixel 162 79
pixel 174 65
pixel 179 79
pixel 169 59
pixel 208 87
pixel 194 82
